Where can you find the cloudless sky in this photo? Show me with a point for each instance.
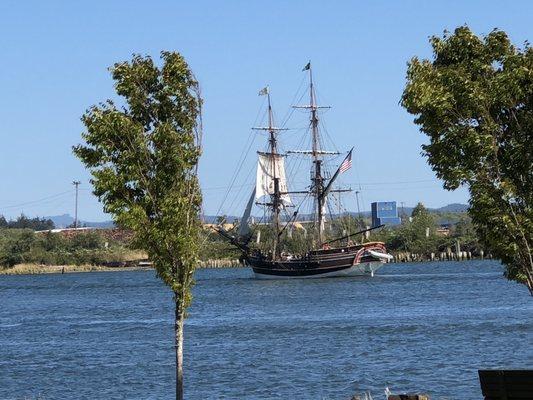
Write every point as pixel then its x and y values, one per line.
pixel 55 56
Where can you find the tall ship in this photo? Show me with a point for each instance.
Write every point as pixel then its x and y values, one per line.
pixel 316 253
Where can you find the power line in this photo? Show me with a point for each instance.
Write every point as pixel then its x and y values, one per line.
pixel 398 182
pixel 36 201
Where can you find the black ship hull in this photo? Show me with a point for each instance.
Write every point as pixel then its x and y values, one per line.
pixel 357 260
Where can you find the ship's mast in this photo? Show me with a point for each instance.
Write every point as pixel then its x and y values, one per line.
pixel 276 196
pixel 276 174
pixel 319 187
pixel 317 179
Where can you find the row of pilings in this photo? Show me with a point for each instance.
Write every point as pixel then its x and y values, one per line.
pixel 220 263
pixel 399 257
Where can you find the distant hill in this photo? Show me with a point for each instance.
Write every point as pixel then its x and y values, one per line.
pixel 450 208
pixel 453 208
pixel 212 219
pixel 62 221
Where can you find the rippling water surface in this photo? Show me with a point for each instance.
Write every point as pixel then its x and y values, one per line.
pixel 109 335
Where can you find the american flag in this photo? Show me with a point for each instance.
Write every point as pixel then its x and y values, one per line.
pixel 347 163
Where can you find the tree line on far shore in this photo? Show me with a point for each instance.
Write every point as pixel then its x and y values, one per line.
pixel 24 222
pixel 19 243
pixel 421 233
pixel 25 246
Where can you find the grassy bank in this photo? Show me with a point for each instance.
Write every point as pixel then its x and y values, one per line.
pixel 30 269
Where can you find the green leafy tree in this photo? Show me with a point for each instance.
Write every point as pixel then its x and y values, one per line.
pixel 474 102
pixel 23 222
pixel 412 235
pixel 51 241
pixel 86 240
pixel 143 157
pixel 420 232
pixel 15 245
pixel 464 232
pixel 420 211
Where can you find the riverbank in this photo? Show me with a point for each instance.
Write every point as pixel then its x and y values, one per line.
pixel 33 269
pixel 30 269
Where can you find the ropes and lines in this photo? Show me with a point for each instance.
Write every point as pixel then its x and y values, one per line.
pixel 243 156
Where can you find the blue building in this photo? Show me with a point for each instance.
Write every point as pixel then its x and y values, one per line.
pixel 385 212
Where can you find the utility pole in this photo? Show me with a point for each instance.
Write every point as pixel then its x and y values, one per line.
pixel 402 216
pixel 76 184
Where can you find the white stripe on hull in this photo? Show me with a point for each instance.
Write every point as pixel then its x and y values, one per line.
pixel 362 269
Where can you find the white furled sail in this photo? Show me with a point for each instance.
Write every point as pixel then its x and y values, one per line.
pixel 244 227
pixel 268 167
pixel 322 221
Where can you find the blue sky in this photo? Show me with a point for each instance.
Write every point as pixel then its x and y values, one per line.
pixel 54 65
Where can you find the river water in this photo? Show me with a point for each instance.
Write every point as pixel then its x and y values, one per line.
pixel 413 327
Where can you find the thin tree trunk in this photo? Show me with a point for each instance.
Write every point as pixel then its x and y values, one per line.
pixel 178 330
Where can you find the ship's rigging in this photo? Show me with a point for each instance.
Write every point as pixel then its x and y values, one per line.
pixel 271 189
pixel 281 201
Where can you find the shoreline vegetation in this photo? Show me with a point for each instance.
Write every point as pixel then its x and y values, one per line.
pixel 36 269
pixel 422 237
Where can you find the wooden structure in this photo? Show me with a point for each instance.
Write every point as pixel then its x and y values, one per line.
pixel 506 384
pixel 319 259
